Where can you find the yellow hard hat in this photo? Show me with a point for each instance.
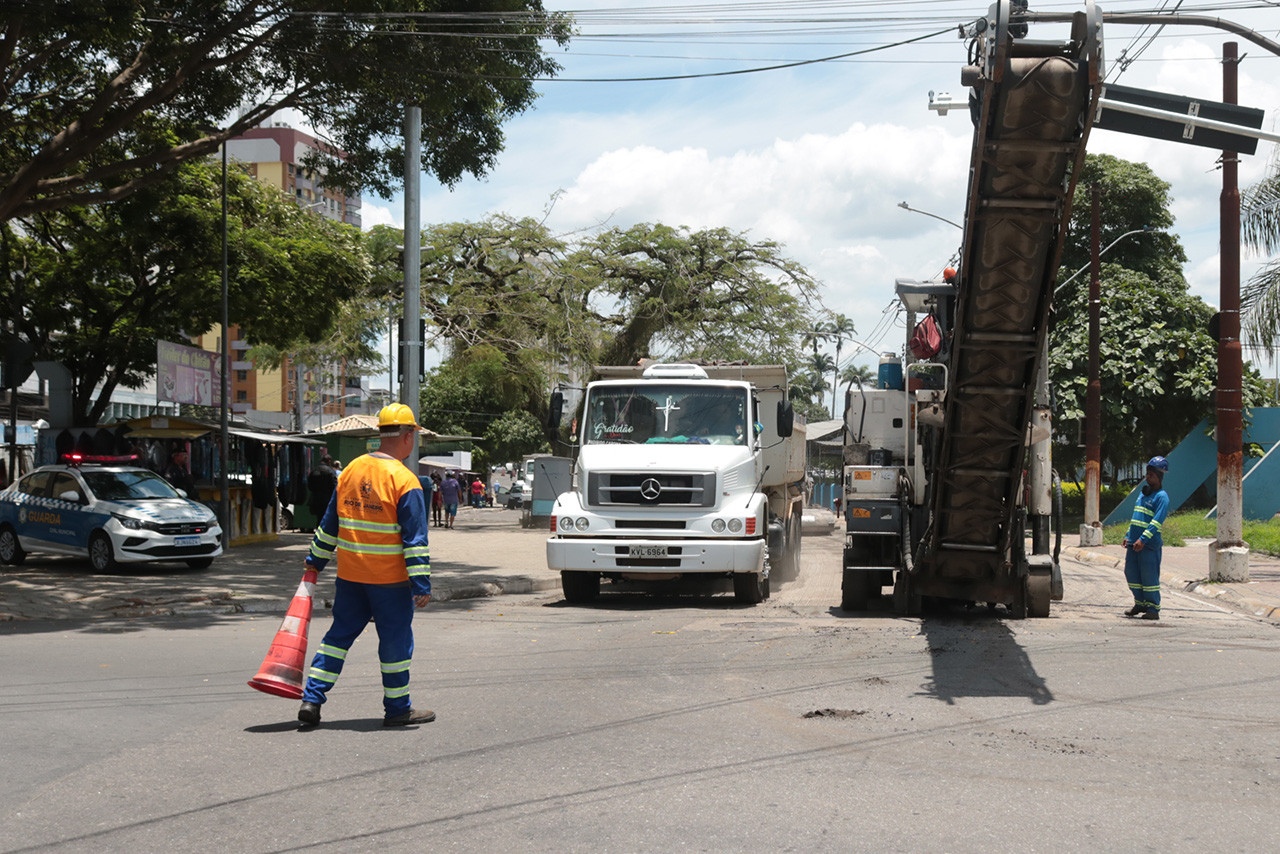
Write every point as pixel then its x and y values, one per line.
pixel 396 414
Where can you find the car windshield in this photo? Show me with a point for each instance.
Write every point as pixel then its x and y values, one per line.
pixel 655 413
pixel 127 485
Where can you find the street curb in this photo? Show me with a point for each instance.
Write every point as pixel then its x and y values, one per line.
pixel 1201 587
pixel 445 593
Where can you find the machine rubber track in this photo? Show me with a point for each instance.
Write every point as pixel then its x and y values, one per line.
pixel 1032 107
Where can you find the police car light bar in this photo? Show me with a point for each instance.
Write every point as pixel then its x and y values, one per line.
pixel 98 459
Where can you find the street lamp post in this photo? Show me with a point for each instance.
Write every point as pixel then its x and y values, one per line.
pixel 224 501
pixel 907 207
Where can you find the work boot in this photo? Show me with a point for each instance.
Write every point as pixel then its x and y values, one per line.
pixel 1134 611
pixel 1151 615
pixel 309 714
pixel 413 716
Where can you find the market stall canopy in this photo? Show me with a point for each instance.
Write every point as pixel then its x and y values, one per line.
pixel 274 438
pixel 165 427
pixel 366 426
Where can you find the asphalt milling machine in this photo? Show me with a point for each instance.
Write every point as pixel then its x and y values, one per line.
pixel 938 490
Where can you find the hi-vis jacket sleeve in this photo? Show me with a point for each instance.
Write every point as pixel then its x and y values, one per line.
pixel 325 540
pixel 411 513
pixel 1159 511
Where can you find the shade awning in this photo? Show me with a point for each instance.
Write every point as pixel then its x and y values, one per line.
pixel 274 438
pixel 167 433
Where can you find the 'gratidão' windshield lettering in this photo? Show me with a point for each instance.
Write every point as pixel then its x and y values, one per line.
pixel 613 430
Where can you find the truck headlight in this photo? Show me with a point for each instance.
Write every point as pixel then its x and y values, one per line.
pixel 582 524
pixel 717 525
pixel 566 523
pixel 735 525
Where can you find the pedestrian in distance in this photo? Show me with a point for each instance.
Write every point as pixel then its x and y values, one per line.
pixel 375 526
pixel 1143 542
pixel 437 501
pixel 428 492
pixel 321 483
pixel 177 474
pixel 450 492
pixel 477 492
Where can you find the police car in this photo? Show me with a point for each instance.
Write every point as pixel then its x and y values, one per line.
pixel 109 513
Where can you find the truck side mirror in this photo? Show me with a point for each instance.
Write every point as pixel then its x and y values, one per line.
pixel 786 419
pixel 556 410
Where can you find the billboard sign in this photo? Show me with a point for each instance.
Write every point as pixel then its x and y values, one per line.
pixel 187 374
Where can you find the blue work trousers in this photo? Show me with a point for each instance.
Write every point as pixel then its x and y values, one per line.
pixel 390 606
pixel 1142 571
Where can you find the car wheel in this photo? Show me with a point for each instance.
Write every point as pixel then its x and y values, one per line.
pixel 11 552
pixel 200 562
pixel 101 557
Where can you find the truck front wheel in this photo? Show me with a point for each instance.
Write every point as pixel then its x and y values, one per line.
pixel 579 586
pixel 750 588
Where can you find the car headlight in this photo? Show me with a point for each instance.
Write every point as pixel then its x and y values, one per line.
pixel 129 522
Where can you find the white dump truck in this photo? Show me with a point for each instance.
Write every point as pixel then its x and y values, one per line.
pixel 682 470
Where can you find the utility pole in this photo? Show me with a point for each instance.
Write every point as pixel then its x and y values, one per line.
pixel 1229 555
pixel 1091 530
pixel 410 331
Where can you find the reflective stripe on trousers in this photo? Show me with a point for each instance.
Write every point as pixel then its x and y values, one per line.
pixel 1142 571
pixel 390 606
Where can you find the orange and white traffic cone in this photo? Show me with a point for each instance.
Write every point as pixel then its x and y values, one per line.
pixel 281 671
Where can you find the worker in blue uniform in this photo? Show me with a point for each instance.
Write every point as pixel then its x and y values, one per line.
pixel 1143 542
pixel 376 526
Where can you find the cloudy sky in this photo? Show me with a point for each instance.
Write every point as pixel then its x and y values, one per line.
pixel 819 156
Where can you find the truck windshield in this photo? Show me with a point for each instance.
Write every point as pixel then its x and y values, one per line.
pixel 654 413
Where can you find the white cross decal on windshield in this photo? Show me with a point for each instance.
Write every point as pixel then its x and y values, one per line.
pixel 666 414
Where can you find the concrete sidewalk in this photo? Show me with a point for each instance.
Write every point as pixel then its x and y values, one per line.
pixel 486 554
pixel 1187 568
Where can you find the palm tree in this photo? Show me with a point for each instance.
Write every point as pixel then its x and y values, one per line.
pixel 814 336
pixel 857 373
pixel 840 328
pixel 1260 229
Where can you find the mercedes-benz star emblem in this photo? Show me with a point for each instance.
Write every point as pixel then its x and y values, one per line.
pixel 650 489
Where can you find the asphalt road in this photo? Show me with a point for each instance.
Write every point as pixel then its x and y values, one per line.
pixel 650 723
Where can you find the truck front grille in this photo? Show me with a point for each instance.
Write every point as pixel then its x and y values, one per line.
pixel 651 489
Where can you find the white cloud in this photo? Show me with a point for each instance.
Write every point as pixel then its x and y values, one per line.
pixel 374 214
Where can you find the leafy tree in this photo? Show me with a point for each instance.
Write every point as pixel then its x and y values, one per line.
pixel 1158 367
pixel 503 283
pixel 710 294
pixel 100 99
pixel 1133 197
pixel 98 285
pixel 476 394
pixel 529 308
pixel 1260 223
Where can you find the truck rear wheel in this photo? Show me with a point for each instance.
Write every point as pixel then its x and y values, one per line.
pixel 580 586
pixel 788 564
pixel 750 588
pixel 854 589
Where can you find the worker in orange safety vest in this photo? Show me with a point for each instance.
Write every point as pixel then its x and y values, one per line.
pixel 376 527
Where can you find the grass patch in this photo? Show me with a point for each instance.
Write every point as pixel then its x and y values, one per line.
pixel 1191 524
